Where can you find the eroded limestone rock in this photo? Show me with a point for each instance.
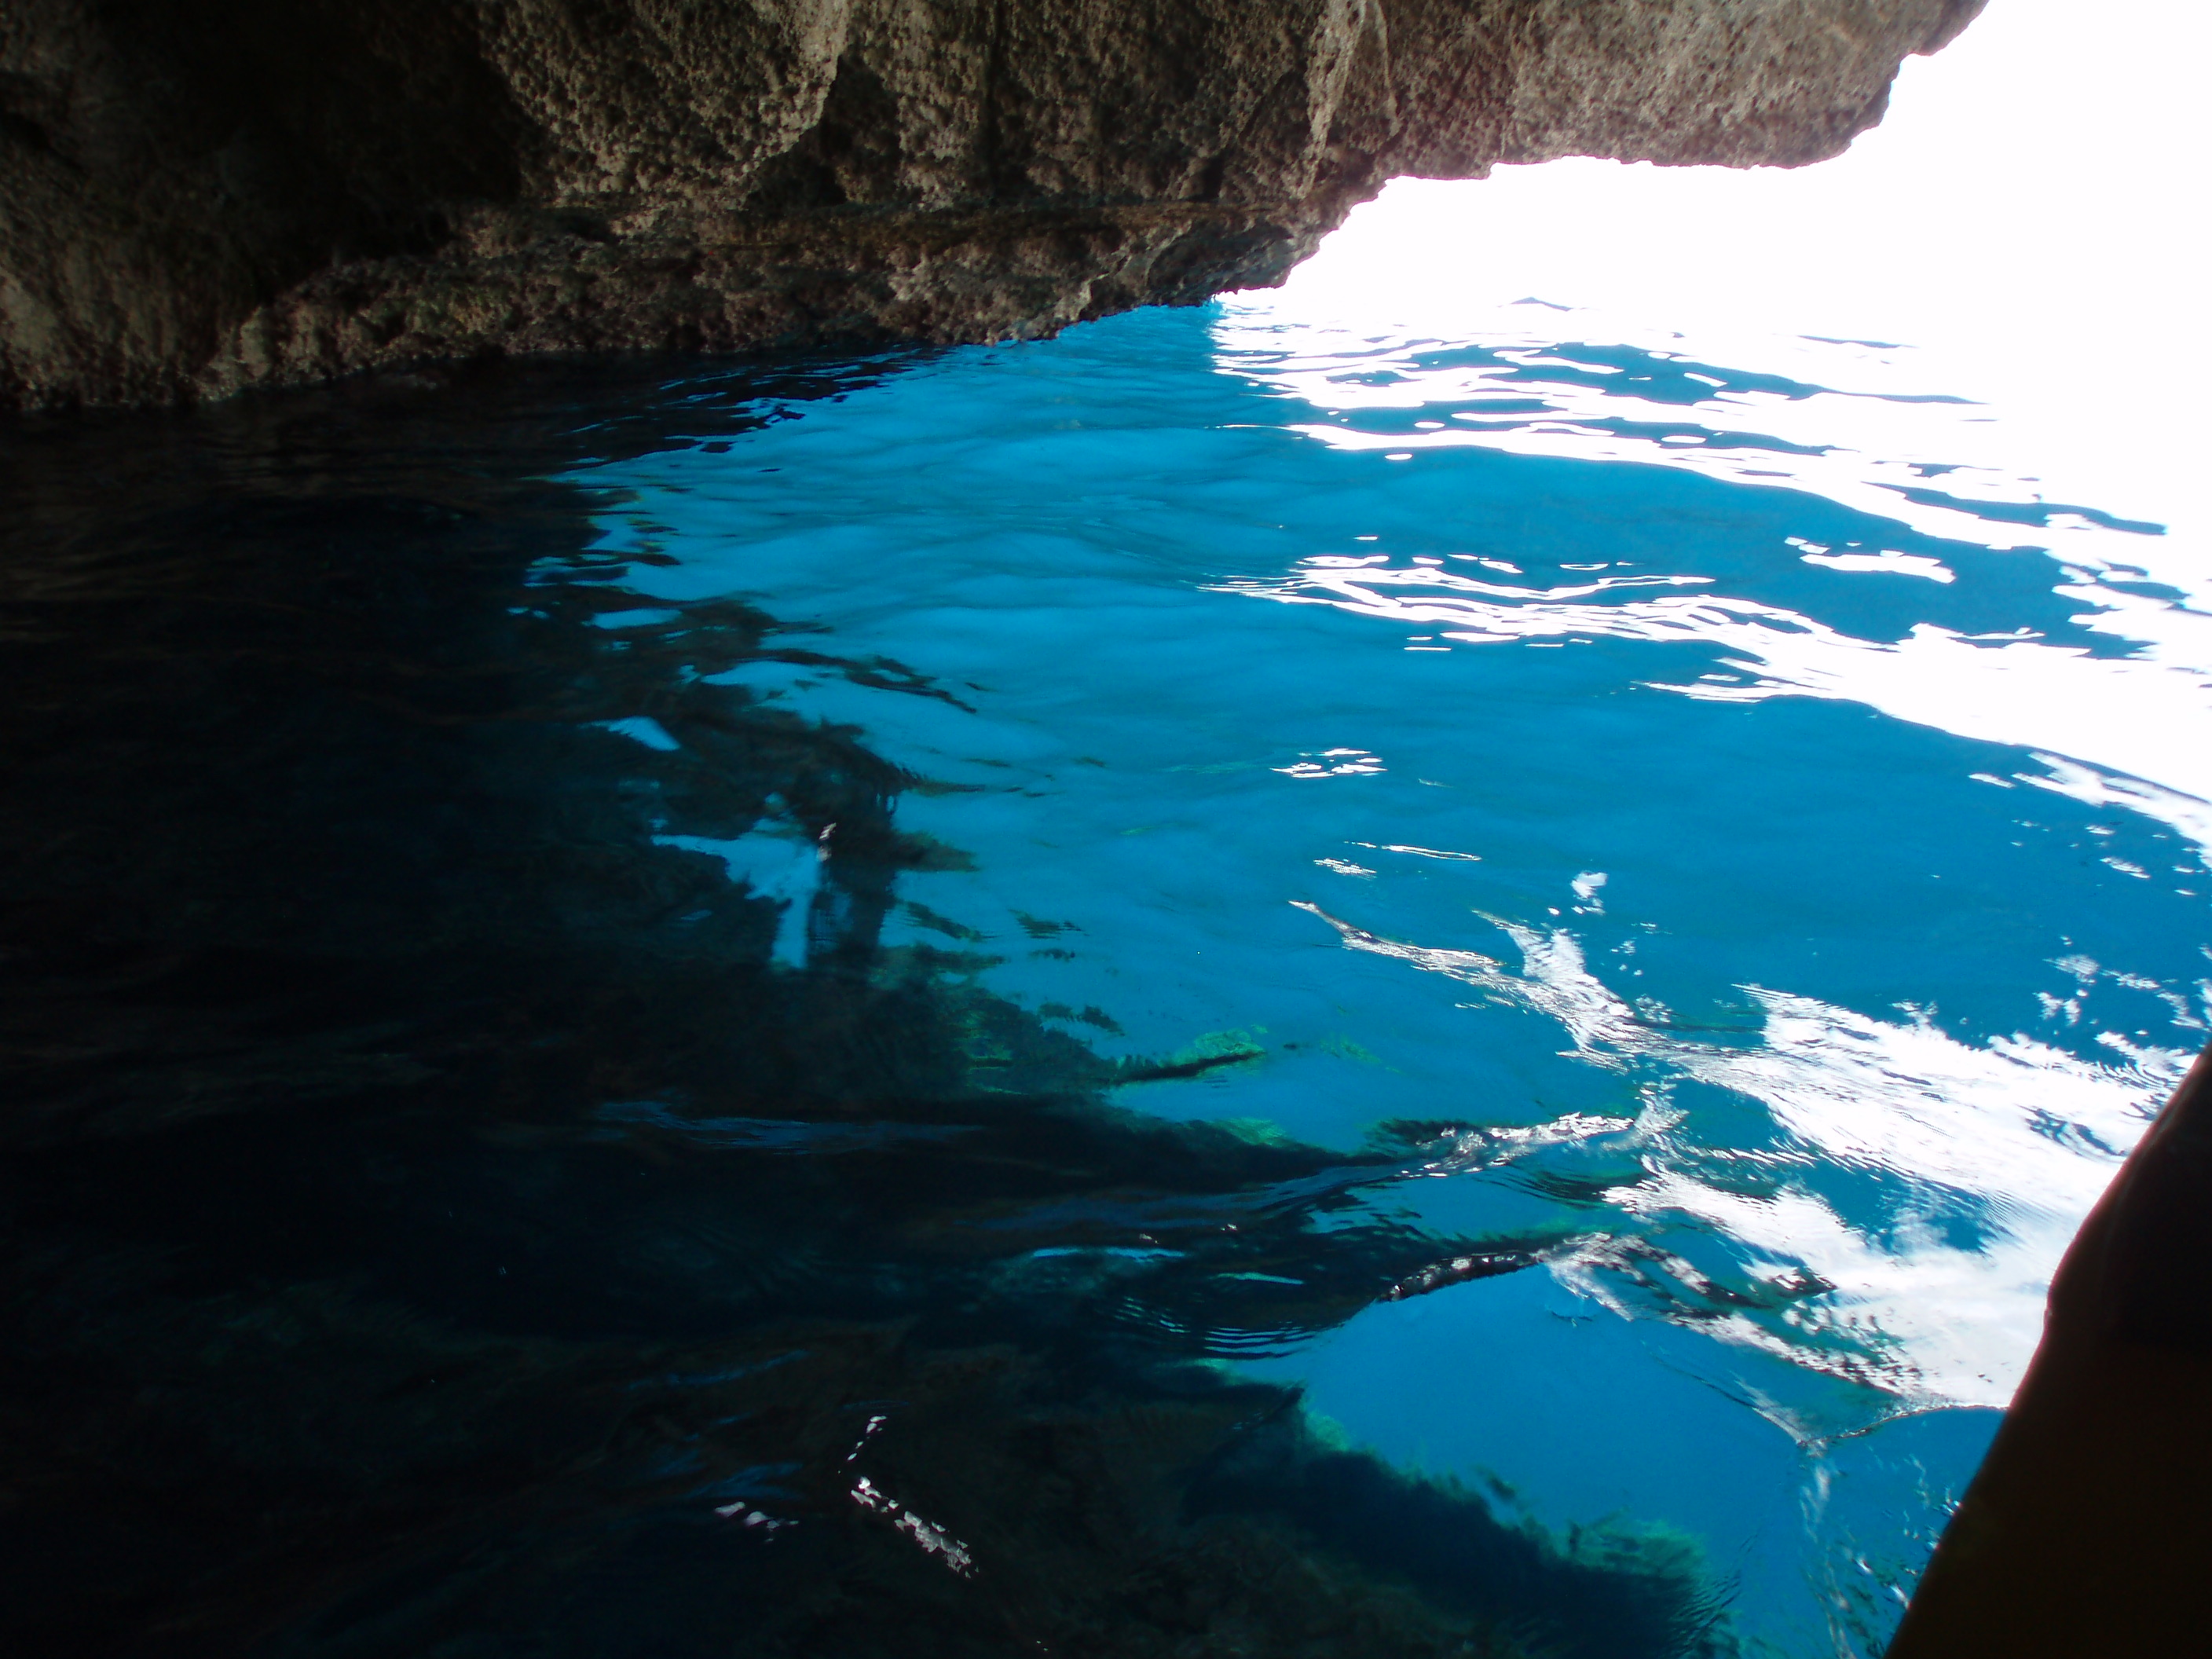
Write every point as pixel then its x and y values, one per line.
pixel 197 196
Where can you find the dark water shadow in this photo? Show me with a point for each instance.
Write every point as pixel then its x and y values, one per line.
pixel 435 1219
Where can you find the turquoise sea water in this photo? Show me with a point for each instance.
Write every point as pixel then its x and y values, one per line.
pixel 1498 963
pixel 1401 772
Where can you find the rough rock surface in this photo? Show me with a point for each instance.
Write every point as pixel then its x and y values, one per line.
pixel 197 196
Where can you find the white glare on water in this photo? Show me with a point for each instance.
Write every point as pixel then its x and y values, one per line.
pixel 2029 219
pixel 2004 279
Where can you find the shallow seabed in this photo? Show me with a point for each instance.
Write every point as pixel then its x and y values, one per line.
pixel 1221 987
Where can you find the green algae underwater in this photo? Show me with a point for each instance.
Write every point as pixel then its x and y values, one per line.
pixel 446 1214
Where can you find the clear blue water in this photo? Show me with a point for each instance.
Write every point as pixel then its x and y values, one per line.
pixel 1646 958
pixel 1538 1005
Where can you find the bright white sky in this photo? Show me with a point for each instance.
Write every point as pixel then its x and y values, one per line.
pixel 2031 217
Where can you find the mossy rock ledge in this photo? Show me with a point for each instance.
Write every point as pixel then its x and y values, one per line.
pixel 200 196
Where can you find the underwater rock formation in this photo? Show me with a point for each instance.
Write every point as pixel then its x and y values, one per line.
pixel 201 197
pixel 435 1221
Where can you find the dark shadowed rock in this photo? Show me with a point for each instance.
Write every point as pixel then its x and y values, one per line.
pixel 197 196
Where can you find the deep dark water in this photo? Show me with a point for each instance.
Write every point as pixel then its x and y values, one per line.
pixel 436 1223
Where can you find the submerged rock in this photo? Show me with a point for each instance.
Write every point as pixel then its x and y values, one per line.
pixel 195 199
pixel 436 1219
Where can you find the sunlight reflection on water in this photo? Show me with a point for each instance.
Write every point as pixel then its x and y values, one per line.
pixel 1873 452
pixel 1754 839
pixel 2131 731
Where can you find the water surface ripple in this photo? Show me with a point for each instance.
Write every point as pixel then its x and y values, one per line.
pixel 1218 986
